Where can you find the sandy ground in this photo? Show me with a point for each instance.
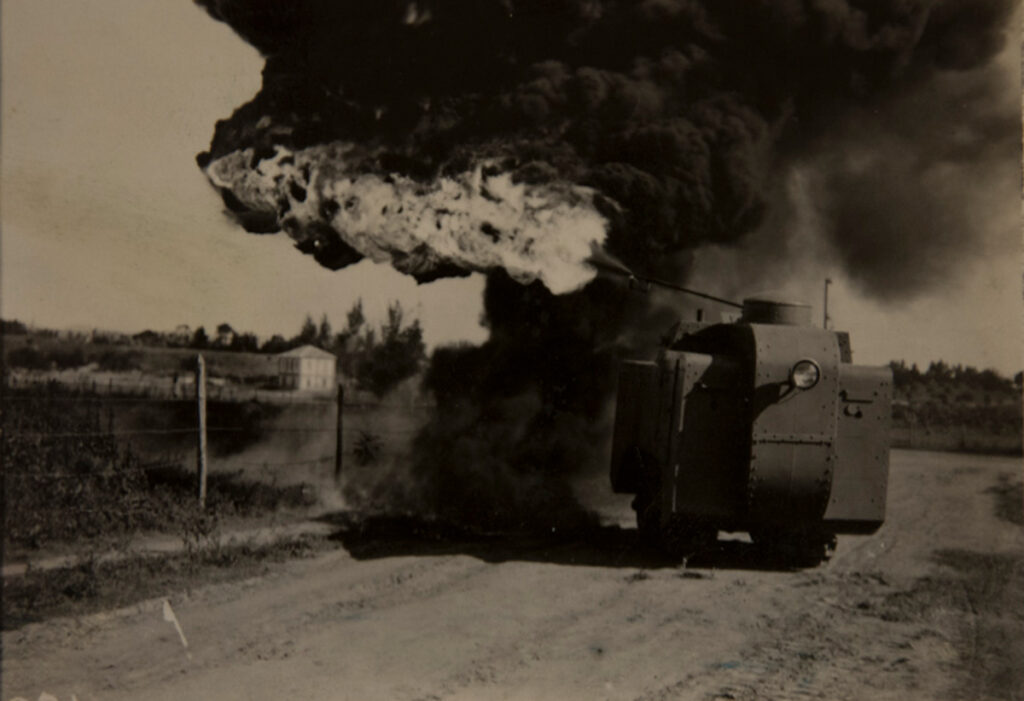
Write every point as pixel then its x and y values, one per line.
pixel 931 607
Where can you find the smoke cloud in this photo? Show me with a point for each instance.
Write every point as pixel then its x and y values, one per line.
pixel 678 114
pixel 511 136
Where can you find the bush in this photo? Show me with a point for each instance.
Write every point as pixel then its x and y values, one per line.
pixel 27 357
pixel 66 478
pixel 368 448
pixel 120 361
pixel 31 358
pixel 67 358
pixel 12 327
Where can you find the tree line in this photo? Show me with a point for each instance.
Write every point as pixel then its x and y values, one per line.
pixel 942 375
pixel 377 357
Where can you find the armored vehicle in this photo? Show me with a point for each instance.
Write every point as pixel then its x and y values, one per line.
pixel 762 425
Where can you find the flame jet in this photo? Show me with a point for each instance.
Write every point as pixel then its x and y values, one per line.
pixel 450 136
pixel 477 220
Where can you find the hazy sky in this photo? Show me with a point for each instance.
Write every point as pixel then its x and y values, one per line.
pixel 107 222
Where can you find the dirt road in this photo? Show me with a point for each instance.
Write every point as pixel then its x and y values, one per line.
pixel 931 607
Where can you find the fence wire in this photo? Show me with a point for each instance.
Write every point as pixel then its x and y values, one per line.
pixel 96 460
pixel 162 389
pixel 98 402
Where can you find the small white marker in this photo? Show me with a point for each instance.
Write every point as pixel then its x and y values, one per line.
pixel 171 618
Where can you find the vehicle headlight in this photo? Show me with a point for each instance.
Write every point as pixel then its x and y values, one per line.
pixel 805 374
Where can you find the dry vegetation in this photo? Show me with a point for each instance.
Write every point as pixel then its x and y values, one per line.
pixel 71 482
pixel 956 408
pixel 74 481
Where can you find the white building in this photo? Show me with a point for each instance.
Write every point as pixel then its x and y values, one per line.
pixel 306 368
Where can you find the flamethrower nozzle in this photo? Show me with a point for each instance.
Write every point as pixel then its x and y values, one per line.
pixel 639 284
pixel 606 262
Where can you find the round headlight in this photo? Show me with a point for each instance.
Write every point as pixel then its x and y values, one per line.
pixel 805 374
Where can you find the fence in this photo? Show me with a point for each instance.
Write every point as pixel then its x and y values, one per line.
pixel 960 438
pixel 63 442
pixel 153 387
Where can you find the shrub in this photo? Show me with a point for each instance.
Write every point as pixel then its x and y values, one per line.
pixel 27 357
pixel 368 448
pixel 120 361
pixel 66 358
pixel 67 479
pixel 12 327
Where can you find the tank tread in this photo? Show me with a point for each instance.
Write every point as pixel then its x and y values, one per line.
pixel 796 548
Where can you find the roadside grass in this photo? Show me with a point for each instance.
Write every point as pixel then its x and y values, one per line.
pixel 73 484
pixel 69 477
pixel 957 439
pixel 105 513
pixel 90 585
pixel 966 423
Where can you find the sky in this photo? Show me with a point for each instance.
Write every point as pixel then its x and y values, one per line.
pixel 106 221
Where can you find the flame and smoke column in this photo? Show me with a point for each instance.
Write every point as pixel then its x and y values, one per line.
pixel 511 136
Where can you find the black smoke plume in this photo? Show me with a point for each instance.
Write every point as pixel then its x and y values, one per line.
pixel 680 112
pixel 682 115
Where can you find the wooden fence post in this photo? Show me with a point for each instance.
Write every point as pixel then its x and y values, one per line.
pixel 201 411
pixel 338 443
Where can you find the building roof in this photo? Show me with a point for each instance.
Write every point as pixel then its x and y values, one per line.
pixel 306 351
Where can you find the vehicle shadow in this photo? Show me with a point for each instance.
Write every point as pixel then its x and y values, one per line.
pixel 378 536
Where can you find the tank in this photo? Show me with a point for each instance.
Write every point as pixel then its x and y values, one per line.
pixel 764 426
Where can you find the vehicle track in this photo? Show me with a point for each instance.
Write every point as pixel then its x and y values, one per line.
pixel 902 614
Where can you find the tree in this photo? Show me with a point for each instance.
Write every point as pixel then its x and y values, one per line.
pixel 902 376
pixel 356 318
pixel 225 336
pixel 348 343
pixel 323 336
pixel 200 339
pixel 399 354
pixel 308 333
pixel 245 342
pixel 13 327
pixel 275 344
pixel 939 371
